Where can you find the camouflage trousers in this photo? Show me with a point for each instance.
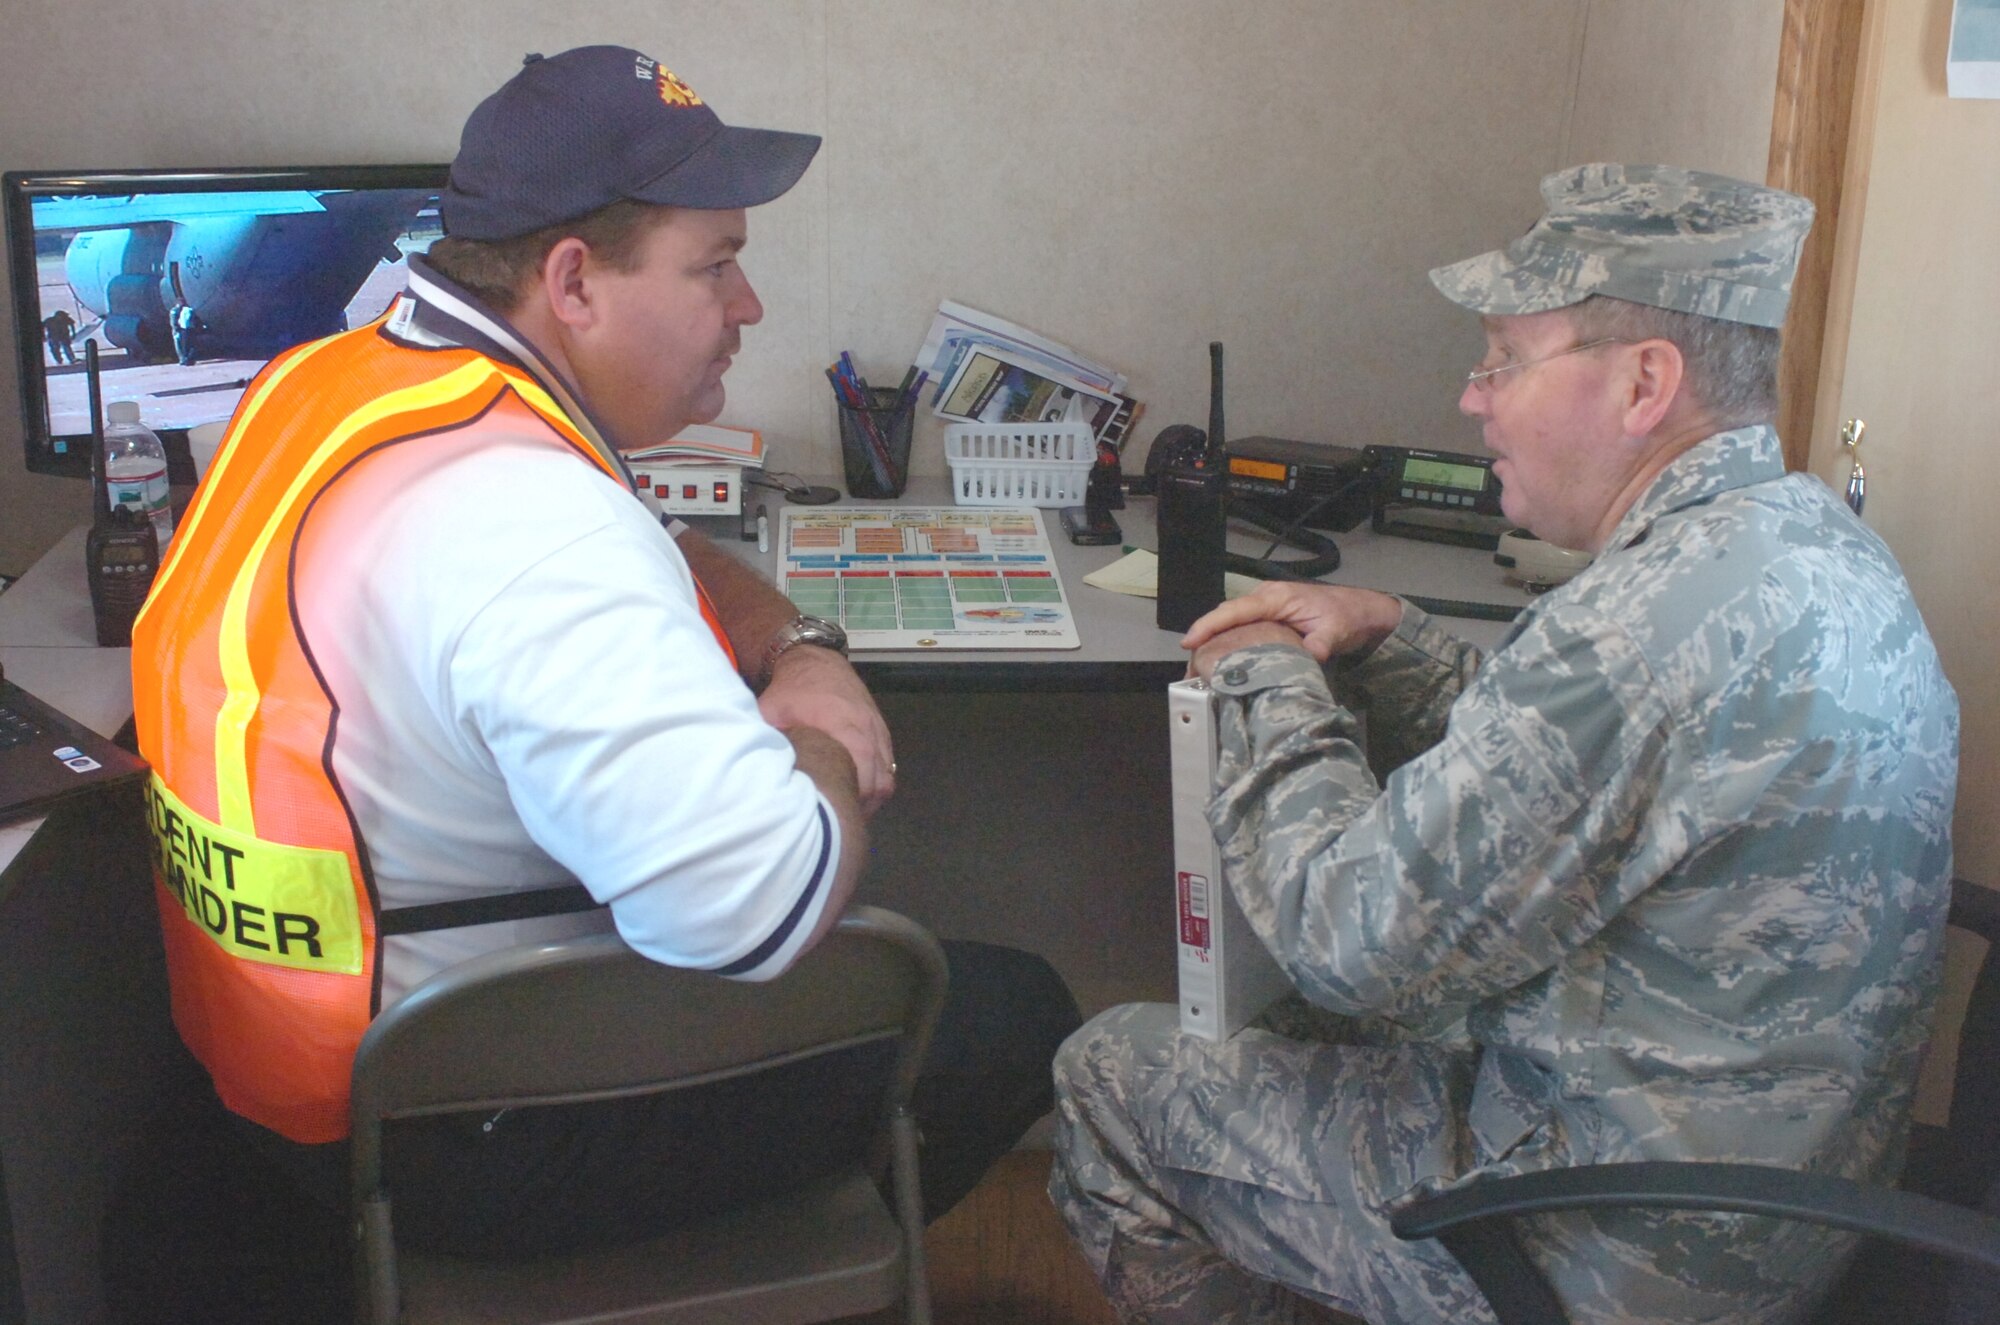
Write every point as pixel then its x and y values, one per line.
pixel 1245 1182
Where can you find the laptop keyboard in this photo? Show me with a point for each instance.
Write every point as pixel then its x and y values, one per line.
pixel 17 727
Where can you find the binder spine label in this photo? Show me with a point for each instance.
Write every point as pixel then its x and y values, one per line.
pixel 1194 911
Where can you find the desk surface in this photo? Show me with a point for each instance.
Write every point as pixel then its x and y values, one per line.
pixel 48 639
pixel 48 644
pixel 1123 649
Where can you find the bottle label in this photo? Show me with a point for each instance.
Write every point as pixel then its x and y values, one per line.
pixel 139 487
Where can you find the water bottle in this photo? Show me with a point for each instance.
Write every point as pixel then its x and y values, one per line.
pixel 135 469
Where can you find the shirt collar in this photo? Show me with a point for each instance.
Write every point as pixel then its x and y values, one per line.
pixel 1717 464
pixel 436 313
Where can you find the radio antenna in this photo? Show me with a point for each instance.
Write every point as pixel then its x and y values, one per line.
pixel 100 492
pixel 1215 402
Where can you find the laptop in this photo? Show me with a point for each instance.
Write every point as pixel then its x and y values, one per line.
pixel 46 757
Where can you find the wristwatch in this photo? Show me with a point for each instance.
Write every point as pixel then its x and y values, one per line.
pixel 799 630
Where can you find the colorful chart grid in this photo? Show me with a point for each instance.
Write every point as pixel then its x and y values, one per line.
pixel 927 577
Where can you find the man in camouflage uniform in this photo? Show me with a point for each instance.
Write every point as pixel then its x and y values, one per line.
pixel 1665 877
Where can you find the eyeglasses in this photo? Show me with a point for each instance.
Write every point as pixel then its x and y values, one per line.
pixel 1481 379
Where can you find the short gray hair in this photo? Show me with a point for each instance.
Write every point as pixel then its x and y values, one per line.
pixel 1731 367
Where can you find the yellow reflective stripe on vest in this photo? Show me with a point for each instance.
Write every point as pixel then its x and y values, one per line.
pixel 261 901
pixel 232 719
pixel 193 517
pixel 536 396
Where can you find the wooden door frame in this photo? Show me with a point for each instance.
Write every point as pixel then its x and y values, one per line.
pixel 1812 115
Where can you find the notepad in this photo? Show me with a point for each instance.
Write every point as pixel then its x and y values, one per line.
pixel 1138 573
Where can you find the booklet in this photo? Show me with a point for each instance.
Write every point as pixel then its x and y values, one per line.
pixel 957 327
pixel 986 369
pixel 992 386
pixel 705 444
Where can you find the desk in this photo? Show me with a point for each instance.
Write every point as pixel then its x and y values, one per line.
pixel 1123 648
pixel 1033 810
pixel 84 1028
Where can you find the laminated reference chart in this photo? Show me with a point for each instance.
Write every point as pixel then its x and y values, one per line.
pixel 927 577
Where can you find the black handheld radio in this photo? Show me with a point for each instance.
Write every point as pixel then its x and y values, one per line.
pixel 121 552
pixel 1192 520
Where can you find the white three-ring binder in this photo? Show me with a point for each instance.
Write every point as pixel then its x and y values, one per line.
pixel 1227 975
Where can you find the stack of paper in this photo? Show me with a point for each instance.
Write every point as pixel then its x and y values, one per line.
pixel 989 370
pixel 706 444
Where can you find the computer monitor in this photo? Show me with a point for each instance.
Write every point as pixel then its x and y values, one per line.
pixel 189 281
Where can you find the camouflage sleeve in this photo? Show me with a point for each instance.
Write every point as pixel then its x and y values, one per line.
pixel 1480 863
pixel 1405 687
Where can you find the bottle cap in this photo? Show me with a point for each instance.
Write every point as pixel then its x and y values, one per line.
pixel 122 411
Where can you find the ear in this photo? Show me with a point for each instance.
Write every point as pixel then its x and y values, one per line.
pixel 1653 387
pixel 565 284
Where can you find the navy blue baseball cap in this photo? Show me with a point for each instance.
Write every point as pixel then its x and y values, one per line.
pixel 574 132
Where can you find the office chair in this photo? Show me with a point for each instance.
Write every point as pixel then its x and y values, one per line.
pixel 1950 1168
pixel 589 1019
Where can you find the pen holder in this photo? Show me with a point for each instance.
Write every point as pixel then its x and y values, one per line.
pixel 875 444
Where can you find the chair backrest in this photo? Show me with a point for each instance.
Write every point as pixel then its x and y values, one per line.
pixel 590 1019
pixel 1972 1131
pixel 1974 1123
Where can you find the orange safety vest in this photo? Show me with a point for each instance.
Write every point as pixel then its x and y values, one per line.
pixel 266 898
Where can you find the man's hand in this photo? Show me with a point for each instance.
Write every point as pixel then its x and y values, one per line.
pixel 815 687
pixel 1217 647
pixel 1326 620
pixel 810 686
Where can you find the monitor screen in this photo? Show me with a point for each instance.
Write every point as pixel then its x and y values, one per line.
pixel 190 281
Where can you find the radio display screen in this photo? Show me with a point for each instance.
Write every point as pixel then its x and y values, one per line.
pixel 1443 474
pixel 1257 469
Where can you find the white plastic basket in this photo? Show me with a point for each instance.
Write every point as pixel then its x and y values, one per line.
pixel 1019 464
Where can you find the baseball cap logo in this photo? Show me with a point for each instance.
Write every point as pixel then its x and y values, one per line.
pixel 671 89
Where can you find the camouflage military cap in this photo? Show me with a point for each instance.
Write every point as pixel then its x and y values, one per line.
pixel 1659 235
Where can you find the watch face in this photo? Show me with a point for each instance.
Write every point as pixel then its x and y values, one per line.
pixel 818 630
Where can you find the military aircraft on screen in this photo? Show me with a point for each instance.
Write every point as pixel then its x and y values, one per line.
pixel 262 271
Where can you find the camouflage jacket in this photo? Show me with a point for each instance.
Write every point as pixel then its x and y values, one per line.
pixel 1673 862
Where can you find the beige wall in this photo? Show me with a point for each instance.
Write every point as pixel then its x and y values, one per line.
pixel 1689 82
pixel 1135 177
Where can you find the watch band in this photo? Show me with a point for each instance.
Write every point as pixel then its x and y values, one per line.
pixel 799 630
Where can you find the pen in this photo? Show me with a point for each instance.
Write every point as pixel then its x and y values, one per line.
pixel 763 529
pixel 876 451
pixel 854 379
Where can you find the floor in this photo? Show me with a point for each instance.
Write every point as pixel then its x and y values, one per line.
pixel 1003 1258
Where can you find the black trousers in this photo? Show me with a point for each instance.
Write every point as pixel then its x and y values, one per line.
pixel 573 1177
